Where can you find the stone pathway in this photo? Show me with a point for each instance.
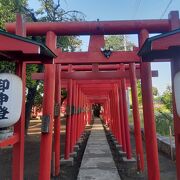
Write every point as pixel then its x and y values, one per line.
pixel 98 163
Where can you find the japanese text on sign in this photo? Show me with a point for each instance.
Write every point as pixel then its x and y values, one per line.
pixel 4 85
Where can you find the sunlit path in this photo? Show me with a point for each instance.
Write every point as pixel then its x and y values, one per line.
pixel 97 161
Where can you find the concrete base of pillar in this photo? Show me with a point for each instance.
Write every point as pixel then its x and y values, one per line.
pixel 73 154
pixel 112 137
pixel 118 147
pixel 132 160
pixel 129 165
pixel 80 141
pixel 67 162
pixel 88 126
pixel 115 142
pixel 122 153
pixel 76 148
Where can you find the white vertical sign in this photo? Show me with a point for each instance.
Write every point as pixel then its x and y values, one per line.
pixel 10 99
pixel 177 92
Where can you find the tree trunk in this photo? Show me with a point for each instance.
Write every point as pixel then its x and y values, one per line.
pixel 29 103
pixel 30 100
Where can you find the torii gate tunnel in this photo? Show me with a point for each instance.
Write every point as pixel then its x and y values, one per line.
pixel 87 84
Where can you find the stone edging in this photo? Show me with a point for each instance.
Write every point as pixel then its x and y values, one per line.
pixel 163 143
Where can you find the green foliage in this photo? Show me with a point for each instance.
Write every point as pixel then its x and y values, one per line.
pixel 69 43
pixel 164 120
pixel 155 91
pixel 118 43
pixel 164 117
pixel 29 70
pixel 166 99
pixel 51 11
pixel 139 92
pixel 8 9
pixel 7 67
pixel 39 95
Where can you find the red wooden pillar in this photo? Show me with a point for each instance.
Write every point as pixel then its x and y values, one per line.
pixel 136 117
pixel 88 113
pixel 126 123
pixel 149 120
pixel 18 148
pixel 68 120
pixel 57 122
pixel 48 113
pixel 109 114
pixel 105 113
pixel 83 114
pixel 118 115
pixel 122 117
pixel 175 67
pixel 78 114
pixel 112 113
pixel 73 118
pixel 115 112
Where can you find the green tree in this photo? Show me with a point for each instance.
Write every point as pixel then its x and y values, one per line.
pixel 155 91
pixel 7 14
pixel 164 117
pixel 139 92
pixel 166 99
pixel 49 11
pixel 7 9
pixel 118 43
pixel 52 12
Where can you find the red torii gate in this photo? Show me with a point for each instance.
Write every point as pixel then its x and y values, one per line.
pixel 18 49
pixel 167 47
pixel 99 28
pixel 94 88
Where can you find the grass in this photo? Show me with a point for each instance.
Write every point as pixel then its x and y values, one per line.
pixel 164 120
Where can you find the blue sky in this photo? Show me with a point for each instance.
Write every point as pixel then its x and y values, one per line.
pixel 124 10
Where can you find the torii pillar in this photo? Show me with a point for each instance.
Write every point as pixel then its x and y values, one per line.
pixel 175 67
pixel 148 113
pixel 48 113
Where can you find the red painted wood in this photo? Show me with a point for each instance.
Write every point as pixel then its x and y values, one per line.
pixel 48 109
pixel 166 42
pixel 10 44
pixel 175 67
pixel 126 123
pixel 74 117
pixel 18 148
pixel 118 115
pixel 81 75
pixel 96 42
pixel 148 113
pixel 136 118
pixel 93 28
pixel 20 25
pixel 57 119
pixel 9 141
pixel 100 67
pixel 97 57
pixel 69 119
